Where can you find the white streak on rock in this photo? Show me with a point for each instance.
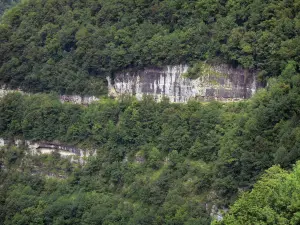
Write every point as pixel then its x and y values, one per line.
pixel 219 82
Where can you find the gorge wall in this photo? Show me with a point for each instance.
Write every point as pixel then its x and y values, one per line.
pixel 216 82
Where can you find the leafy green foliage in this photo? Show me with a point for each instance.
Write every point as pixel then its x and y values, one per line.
pixel 70 47
pixel 156 162
pixel 6 4
pixel 137 165
pixel 156 153
pixel 273 200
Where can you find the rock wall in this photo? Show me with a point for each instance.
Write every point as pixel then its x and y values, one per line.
pixel 75 154
pixel 4 91
pixel 218 82
pixel 77 99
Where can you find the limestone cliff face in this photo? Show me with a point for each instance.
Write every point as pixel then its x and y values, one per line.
pixel 77 99
pixel 218 82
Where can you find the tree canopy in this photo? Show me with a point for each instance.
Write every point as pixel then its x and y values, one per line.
pixel 71 46
pixel 157 162
pixel 6 4
pixel 273 200
pixel 164 154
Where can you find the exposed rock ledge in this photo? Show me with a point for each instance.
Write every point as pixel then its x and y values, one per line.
pixel 75 99
pixel 75 154
pixel 218 82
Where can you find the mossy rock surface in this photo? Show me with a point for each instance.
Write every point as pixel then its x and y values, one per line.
pixel 201 69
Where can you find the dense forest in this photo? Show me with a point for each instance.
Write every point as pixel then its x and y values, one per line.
pixel 71 46
pixel 157 162
pixel 6 4
pixel 170 161
pixel 279 206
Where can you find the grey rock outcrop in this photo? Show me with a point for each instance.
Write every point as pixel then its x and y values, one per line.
pixel 218 82
pixel 77 99
pixel 66 151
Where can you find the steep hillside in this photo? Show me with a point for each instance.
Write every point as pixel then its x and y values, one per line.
pixel 164 159
pixel 151 162
pixel 71 46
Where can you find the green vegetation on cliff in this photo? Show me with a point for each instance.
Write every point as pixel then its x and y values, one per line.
pixel 71 46
pixel 161 158
pixel 156 163
pixel 102 192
